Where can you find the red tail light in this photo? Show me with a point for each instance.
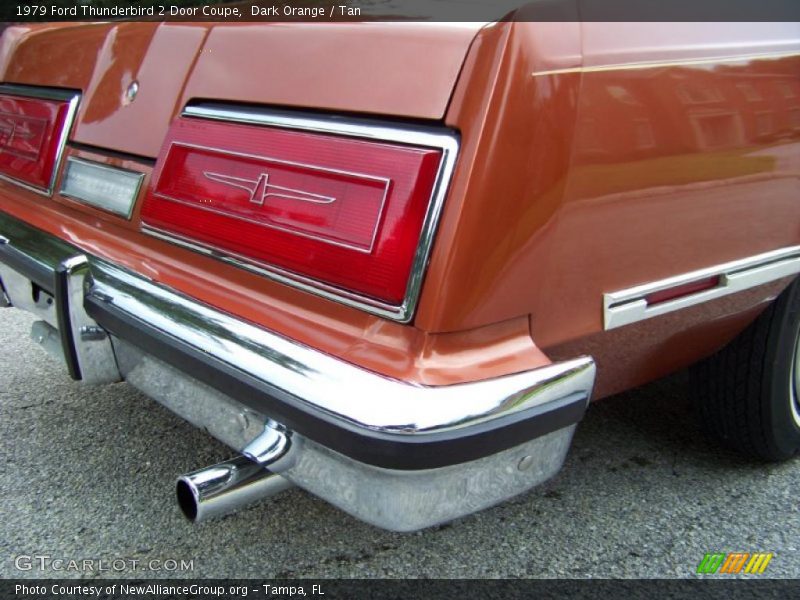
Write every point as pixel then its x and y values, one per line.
pixel 342 213
pixel 34 124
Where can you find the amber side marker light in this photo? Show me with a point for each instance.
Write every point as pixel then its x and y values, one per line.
pixel 34 125
pixel 341 211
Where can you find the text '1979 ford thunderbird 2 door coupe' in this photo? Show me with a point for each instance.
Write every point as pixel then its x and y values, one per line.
pixel 391 263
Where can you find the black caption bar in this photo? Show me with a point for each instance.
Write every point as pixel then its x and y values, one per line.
pixel 436 589
pixel 228 11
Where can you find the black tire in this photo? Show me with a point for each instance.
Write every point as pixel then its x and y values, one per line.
pixel 748 392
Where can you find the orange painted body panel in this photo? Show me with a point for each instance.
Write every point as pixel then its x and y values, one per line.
pixel 594 157
pixel 101 60
pixel 545 227
pixel 366 340
pixel 112 56
pixel 642 352
pixel 396 69
pixel 589 172
pixel 380 68
pixel 494 242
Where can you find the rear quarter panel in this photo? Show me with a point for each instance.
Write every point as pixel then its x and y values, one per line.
pixel 618 155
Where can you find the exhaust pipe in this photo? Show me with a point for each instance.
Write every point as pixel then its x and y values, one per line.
pixel 228 486
pixel 225 488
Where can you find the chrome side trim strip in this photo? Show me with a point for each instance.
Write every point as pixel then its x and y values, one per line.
pixel 713 60
pixel 446 141
pixel 72 99
pixel 630 305
pixel 348 394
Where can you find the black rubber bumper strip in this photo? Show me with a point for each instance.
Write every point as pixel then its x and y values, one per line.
pixel 38 273
pixel 381 449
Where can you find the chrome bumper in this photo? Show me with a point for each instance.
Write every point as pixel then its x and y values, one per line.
pixel 398 455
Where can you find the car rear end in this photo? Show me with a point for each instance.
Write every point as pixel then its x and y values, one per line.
pixel 238 220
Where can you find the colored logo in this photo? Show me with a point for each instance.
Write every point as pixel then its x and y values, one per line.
pixel 735 562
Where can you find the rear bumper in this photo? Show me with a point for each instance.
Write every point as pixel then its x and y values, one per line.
pixel 398 455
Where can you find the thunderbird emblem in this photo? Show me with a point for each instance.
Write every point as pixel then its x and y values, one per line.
pixel 9 131
pixel 21 136
pixel 260 189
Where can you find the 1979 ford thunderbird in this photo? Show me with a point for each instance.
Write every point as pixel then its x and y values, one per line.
pixel 391 263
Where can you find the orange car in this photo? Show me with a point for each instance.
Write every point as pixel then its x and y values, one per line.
pixel 391 263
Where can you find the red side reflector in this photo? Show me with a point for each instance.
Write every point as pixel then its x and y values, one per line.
pixel 682 290
pixel 31 137
pixel 346 212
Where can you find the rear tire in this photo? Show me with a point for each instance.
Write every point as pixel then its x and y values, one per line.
pixel 748 393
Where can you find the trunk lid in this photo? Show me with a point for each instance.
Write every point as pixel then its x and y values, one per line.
pixel 405 70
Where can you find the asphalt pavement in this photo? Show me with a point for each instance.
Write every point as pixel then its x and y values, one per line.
pixel 88 473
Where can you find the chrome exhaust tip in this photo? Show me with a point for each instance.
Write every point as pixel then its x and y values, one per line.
pixel 225 488
pixel 228 486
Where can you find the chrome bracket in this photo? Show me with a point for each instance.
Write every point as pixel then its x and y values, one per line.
pixel 272 448
pixel 93 349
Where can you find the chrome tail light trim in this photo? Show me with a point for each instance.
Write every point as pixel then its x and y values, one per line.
pixel 431 137
pixel 72 98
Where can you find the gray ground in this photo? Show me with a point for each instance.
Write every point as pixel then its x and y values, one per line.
pixel 88 474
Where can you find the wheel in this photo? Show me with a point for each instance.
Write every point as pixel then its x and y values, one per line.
pixel 748 394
